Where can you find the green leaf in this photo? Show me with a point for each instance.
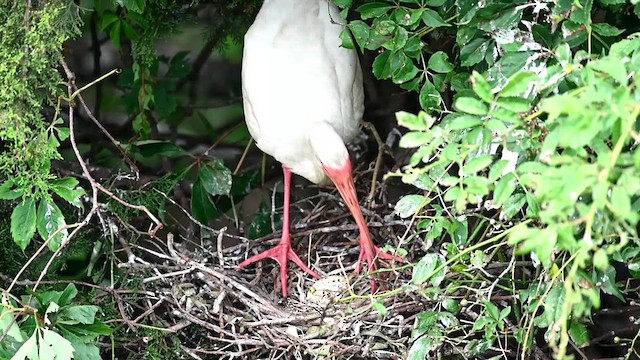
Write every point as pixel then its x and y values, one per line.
pixel 471 106
pixel 149 148
pixel 425 270
pixel 215 178
pixel 464 122
pixel 373 10
pixel 518 83
pixel 78 314
pixel 7 192
pixel 513 205
pixel 201 206
pixel 137 6
pixel 28 350
pixel 69 190
pixel 515 104
pixel 108 19
pixel 605 29
pixel 261 224
pixel 600 259
pixel 476 164
pixel 54 346
pixel 347 40
pixel 579 333
pixel 429 97
pixel 67 295
pixel 382 66
pixel 343 3
pixel 114 34
pixel 611 66
pixel 403 68
pixel 504 188
pixel 492 310
pixel 621 202
pixel 474 51
pixel 422 121
pixel 409 205
pixel 9 325
pixel 414 139
pixel 49 221
pixel 380 308
pixel 481 87
pixel 433 19
pixel 361 32
pixel 439 62
pixel 23 222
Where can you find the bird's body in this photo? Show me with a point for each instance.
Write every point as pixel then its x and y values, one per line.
pixel 293 50
pixel 303 99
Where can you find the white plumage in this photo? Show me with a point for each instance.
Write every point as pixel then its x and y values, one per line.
pixel 303 99
pixel 296 80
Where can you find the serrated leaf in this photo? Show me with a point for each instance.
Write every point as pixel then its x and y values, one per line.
pixel 23 222
pixel 69 190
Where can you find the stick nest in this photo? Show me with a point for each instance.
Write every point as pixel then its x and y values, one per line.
pixel 193 289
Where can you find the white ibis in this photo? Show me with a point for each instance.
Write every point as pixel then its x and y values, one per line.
pixel 303 99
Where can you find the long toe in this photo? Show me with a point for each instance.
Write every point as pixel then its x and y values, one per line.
pixel 281 253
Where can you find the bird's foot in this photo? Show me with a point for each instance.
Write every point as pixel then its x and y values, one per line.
pixel 281 253
pixel 369 254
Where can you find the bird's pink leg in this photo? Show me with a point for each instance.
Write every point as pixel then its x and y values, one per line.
pixel 343 179
pixel 282 252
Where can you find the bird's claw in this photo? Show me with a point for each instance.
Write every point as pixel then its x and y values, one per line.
pixel 281 253
pixel 370 255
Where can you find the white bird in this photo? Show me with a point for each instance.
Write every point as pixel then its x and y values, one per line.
pixel 303 99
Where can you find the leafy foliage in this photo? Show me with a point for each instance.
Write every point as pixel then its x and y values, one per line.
pixel 49 325
pixel 533 155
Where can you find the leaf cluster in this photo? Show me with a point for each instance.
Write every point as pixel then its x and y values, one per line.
pixel 526 150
